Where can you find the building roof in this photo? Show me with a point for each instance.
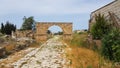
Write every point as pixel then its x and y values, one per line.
pixel 104 6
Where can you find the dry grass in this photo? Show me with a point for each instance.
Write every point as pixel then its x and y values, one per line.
pixel 35 45
pixel 16 55
pixel 82 57
pixel 10 47
pixel 85 58
pixel 78 40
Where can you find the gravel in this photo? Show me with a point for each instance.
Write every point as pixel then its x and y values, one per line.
pixel 50 55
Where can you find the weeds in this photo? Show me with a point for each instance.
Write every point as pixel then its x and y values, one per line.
pixel 83 57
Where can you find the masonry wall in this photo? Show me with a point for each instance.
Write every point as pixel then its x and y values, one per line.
pixel 24 33
pixel 112 7
pixel 42 27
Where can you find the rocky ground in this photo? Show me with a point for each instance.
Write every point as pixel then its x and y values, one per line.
pixel 7 62
pixel 50 55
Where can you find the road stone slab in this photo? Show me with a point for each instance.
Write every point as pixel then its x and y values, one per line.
pixel 50 55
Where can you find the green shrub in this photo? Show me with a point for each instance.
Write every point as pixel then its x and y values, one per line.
pixel 111 45
pixel 100 28
pixel 79 40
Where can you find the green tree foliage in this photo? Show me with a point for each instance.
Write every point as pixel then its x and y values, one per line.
pixel 48 32
pixel 27 24
pixel 7 28
pixel 111 45
pixel 2 28
pixel 110 36
pixel 100 28
pixel 60 33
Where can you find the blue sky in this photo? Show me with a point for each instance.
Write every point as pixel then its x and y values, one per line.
pixel 76 11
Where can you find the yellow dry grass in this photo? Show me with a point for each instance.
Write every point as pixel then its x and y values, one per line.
pixel 85 58
pixel 34 45
pixel 10 47
pixel 81 57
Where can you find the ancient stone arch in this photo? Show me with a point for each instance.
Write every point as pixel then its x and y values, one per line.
pixel 42 27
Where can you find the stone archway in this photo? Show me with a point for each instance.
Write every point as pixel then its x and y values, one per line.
pixel 42 27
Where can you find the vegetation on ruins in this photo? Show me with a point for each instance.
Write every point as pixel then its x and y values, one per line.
pixel 28 23
pixel 99 56
pixel 48 32
pixel 7 28
pixel 100 28
pixel 111 45
pixel 58 33
pixel 2 28
pixel 110 36
pixel 81 54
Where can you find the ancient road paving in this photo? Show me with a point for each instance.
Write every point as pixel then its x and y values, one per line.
pixel 50 55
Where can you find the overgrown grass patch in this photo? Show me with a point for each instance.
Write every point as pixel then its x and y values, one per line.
pixel 78 40
pixel 82 56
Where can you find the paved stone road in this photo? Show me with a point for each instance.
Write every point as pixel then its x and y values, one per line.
pixel 50 55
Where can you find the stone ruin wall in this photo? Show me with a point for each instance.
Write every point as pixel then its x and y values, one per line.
pixel 113 7
pixel 42 27
pixel 25 33
pixel 41 32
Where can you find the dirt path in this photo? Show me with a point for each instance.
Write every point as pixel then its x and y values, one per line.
pixel 50 55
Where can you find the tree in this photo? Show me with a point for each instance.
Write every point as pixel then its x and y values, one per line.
pixel 100 28
pixel 2 28
pixel 8 28
pixel 48 32
pixel 28 22
pixel 60 33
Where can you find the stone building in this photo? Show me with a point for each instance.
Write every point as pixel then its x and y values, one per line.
pixel 113 7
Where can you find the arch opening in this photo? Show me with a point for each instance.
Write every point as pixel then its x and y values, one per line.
pixel 42 27
pixel 54 30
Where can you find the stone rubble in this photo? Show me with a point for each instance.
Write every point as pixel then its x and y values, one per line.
pixel 7 62
pixel 50 55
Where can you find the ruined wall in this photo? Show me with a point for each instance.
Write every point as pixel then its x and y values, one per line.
pixel 111 7
pixel 25 33
pixel 42 27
